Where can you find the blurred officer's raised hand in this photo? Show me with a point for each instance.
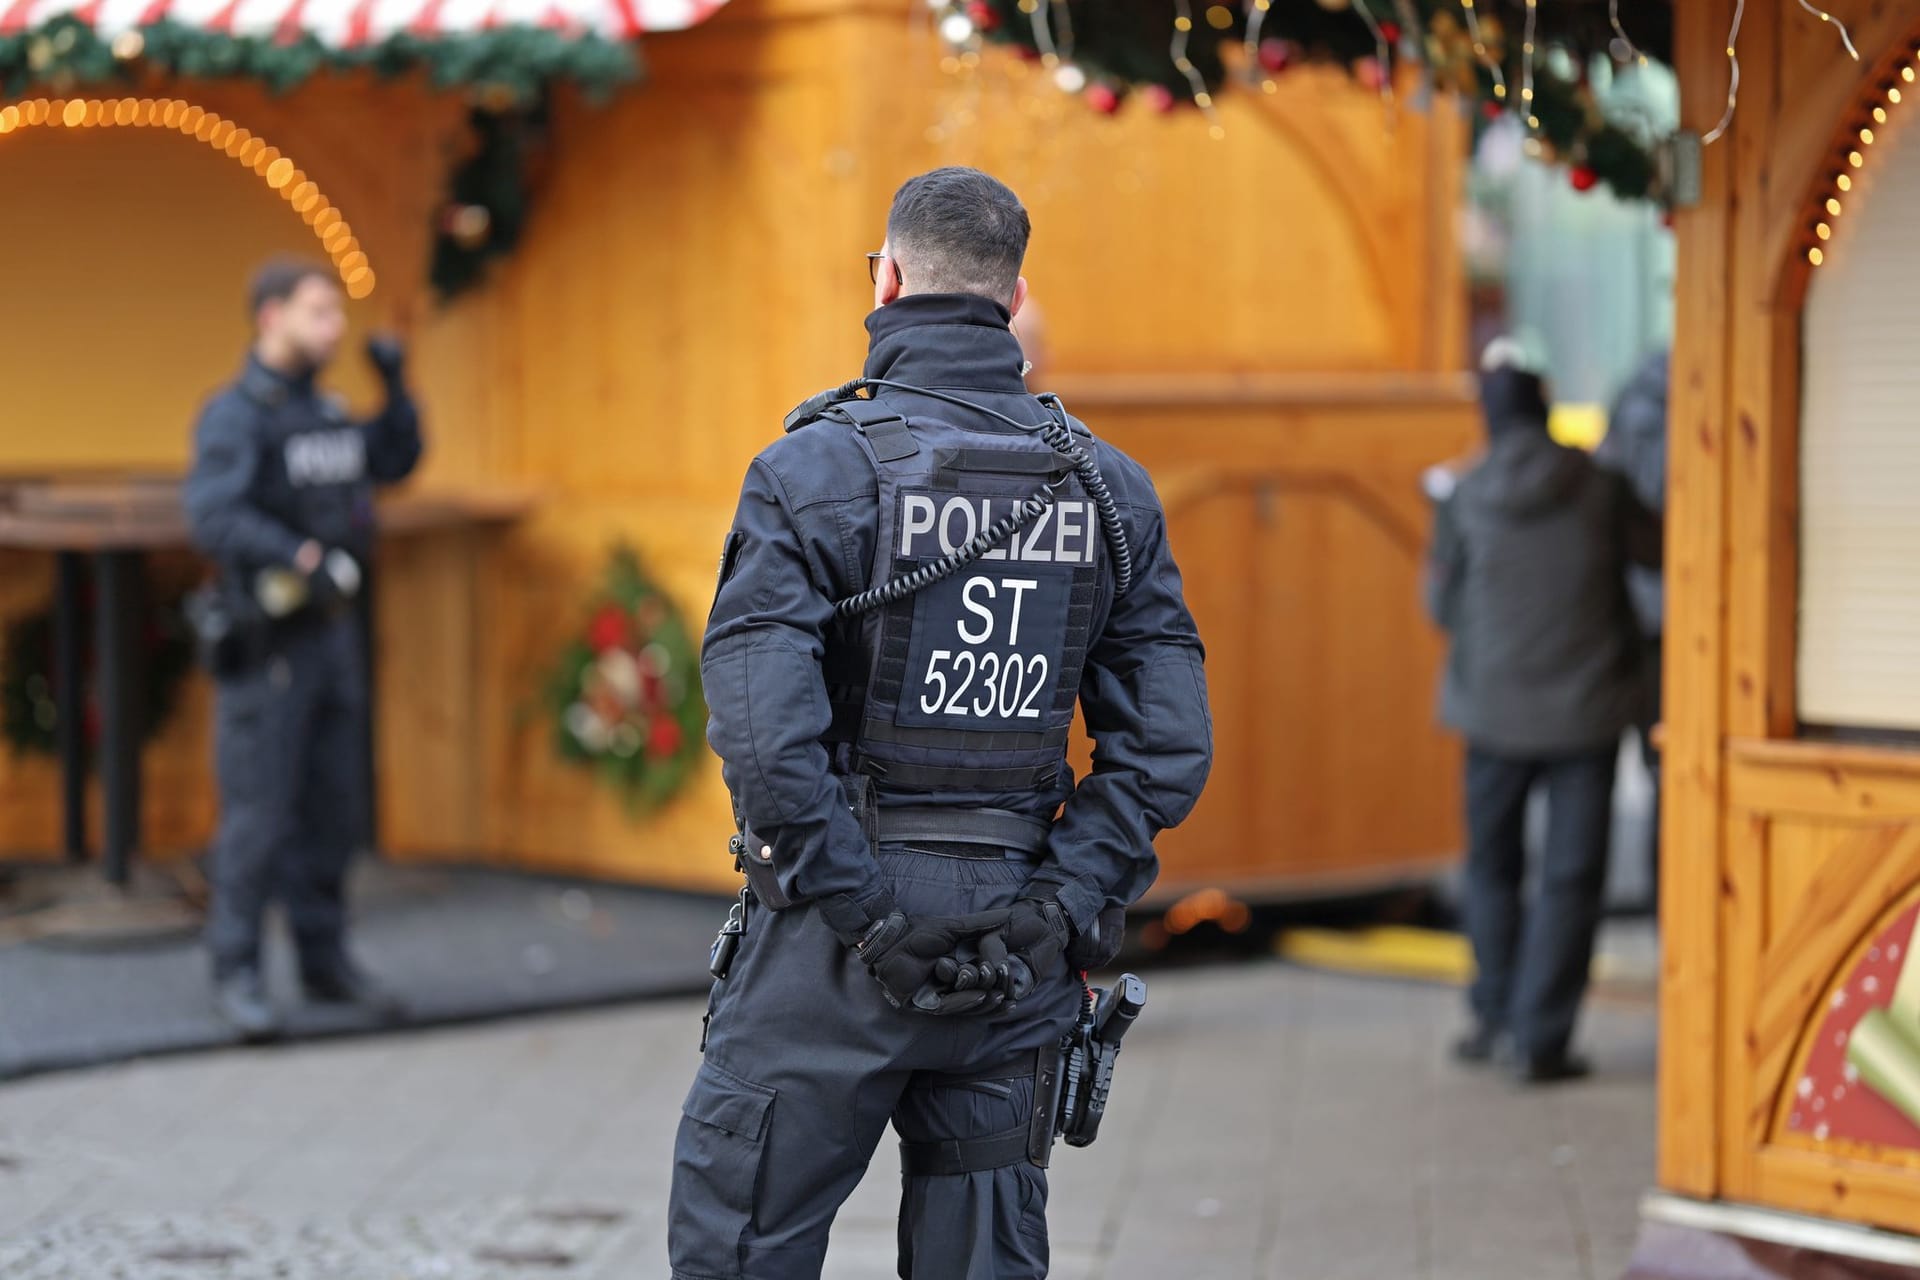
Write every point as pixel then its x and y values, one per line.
pixel 388 355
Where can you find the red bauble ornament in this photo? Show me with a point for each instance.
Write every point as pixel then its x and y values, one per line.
pixel 664 737
pixel 1160 98
pixel 1275 55
pixel 1370 73
pixel 1390 32
pixel 1102 98
pixel 608 630
pixel 983 15
pixel 1582 178
pixel 1492 110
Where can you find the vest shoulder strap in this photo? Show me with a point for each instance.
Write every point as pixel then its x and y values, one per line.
pixel 886 429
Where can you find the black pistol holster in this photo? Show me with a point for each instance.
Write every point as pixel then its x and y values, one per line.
pixel 1071 1083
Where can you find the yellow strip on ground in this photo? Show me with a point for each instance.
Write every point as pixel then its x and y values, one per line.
pixel 1390 950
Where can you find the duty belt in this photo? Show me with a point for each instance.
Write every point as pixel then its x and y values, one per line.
pixel 930 823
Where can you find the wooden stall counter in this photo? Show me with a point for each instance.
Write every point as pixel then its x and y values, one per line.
pixel 104 528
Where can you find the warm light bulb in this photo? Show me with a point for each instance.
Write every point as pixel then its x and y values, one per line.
pixel 1906 73
pixel 1815 256
pixel 1879 115
pixel 74 114
pixel 280 174
pixel 1183 23
pixel 1218 133
pixel 1833 206
pixel 1824 231
pixel 9 119
pixel 1843 182
pixel 1866 136
pixel 1855 159
pixel 955 28
pixel 1893 96
pixel 1203 100
pixel 1070 78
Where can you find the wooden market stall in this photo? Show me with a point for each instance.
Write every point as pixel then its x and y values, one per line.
pixel 1790 1042
pixel 1272 320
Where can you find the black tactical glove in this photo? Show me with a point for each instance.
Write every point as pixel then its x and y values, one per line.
pixel 335 581
pixel 903 952
pixel 389 357
pixel 1033 941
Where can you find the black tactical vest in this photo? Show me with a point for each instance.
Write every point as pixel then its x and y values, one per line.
pixel 968 684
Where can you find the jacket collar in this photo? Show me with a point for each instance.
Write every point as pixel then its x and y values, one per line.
pixel 946 340
pixel 270 386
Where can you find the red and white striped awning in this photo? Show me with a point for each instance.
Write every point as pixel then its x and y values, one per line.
pixel 346 24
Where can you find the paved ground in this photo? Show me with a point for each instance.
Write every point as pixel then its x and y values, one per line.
pixel 1270 1123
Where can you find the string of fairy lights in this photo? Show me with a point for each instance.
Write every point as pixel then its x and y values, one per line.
pixel 279 172
pixel 963 22
pixel 1877 113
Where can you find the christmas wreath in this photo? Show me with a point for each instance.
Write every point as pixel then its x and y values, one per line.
pixel 625 695
pixel 29 716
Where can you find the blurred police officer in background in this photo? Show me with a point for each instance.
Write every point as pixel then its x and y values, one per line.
pixel 892 675
pixel 280 497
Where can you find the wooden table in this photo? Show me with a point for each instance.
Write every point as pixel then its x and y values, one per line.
pixel 110 523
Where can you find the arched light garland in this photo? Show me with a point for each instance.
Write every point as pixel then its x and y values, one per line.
pixel 279 171
pixel 1888 97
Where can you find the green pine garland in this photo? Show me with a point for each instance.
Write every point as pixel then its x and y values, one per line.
pixel 514 62
pixel 624 698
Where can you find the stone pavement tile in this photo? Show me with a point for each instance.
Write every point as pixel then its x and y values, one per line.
pixel 1350 1232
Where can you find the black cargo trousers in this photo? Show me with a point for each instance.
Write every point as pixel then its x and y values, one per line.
pixel 806 1062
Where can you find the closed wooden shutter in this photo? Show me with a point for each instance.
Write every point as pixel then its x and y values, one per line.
pixel 1859 653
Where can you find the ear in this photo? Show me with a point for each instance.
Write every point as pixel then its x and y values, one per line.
pixel 1019 296
pixel 887 288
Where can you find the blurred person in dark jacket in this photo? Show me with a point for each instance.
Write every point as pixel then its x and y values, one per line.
pixel 280 497
pixel 1527 576
pixel 1635 448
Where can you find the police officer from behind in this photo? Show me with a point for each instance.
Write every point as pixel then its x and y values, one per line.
pixel 280 498
pixel 892 676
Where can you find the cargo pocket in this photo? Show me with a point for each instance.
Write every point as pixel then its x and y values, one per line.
pixel 723 1133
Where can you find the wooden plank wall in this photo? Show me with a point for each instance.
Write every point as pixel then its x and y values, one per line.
pixel 1782 853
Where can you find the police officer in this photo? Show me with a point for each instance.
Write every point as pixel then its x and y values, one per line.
pixel 280 497
pixel 892 676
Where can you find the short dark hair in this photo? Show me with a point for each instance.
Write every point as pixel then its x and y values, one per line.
pixel 959 231
pixel 277 278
